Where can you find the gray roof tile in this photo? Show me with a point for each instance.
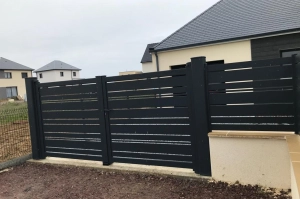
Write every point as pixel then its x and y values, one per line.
pixel 147 56
pixel 234 19
pixel 56 65
pixel 6 64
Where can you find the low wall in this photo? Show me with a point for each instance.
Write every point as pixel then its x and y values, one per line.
pixel 15 161
pixel 251 158
pixel 293 143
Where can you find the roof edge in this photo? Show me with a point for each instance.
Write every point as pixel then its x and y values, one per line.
pixel 56 69
pixel 146 62
pixel 187 24
pixel 19 69
pixel 226 40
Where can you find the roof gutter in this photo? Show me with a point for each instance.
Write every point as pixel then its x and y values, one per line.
pixel 157 63
pixel 156 58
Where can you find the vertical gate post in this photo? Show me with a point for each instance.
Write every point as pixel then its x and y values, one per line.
pixel 296 88
pixel 35 118
pixel 199 115
pixel 104 120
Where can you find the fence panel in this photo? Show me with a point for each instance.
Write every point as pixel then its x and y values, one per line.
pixel 255 95
pixel 149 119
pixel 71 123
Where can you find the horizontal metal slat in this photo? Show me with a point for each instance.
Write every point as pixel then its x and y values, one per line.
pixel 252 97
pixel 71 114
pixel 157 156
pixel 69 90
pixel 74 156
pixel 151 138
pixel 251 74
pixel 69 97
pixel 147 83
pixel 70 82
pixel 150 121
pixel 152 102
pixel 153 162
pixel 253 64
pixel 281 120
pixel 145 93
pixel 69 121
pixel 146 75
pixel 151 129
pixel 73 135
pixel 280 83
pixel 73 128
pixel 73 144
pixel 144 113
pixel 70 106
pixel 252 110
pixel 254 127
pixel 75 151
pixel 153 148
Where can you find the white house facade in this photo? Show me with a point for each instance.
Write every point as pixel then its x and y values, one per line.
pixel 57 71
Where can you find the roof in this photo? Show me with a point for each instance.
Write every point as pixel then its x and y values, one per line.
pixel 236 19
pixel 147 56
pixel 6 64
pixel 57 65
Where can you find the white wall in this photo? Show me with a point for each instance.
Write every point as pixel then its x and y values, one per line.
pixel 264 161
pixel 147 67
pixel 229 52
pixel 54 76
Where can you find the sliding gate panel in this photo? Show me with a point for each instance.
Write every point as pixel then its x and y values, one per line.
pixel 149 119
pixel 71 119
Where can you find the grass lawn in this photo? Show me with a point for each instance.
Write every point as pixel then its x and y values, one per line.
pixel 12 112
pixel 14 131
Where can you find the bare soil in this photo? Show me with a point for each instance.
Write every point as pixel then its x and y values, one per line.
pixel 30 181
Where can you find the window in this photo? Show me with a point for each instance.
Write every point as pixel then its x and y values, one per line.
pixel 24 75
pixel 7 75
pixel 61 74
pixel 41 75
pixel 177 67
pixel 289 53
pixel 11 92
pixel 74 74
pixel 209 63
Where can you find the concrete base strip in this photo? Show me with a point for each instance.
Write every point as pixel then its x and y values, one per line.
pixel 15 161
pixel 180 172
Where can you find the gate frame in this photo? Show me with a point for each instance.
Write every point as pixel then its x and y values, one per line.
pixel 199 115
pixel 35 118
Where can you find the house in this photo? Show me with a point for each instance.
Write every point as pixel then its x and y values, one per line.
pixel 232 31
pixel 57 71
pixel 129 73
pixel 12 78
pixel 147 59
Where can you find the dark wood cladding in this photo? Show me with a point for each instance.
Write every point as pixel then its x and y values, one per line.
pixel 270 47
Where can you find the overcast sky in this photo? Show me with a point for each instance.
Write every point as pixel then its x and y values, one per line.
pixel 102 37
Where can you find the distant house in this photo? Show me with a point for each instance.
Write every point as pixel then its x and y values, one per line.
pixel 57 71
pixel 129 73
pixel 12 82
pixel 147 59
pixel 231 31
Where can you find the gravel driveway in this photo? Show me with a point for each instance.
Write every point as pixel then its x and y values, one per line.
pixel 30 181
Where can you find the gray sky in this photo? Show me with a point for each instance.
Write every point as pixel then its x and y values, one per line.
pixel 100 37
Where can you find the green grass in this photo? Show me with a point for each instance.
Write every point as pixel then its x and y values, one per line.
pixel 13 112
pixel 13 105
